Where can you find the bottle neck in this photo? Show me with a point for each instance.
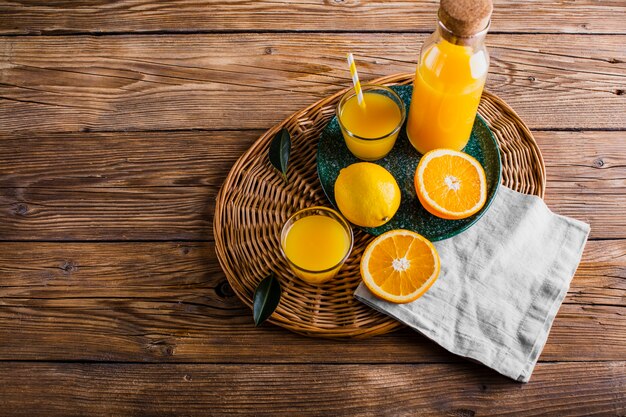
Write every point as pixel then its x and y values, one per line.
pixel 473 41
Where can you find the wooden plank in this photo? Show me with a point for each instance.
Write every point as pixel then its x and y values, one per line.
pixel 189 271
pixel 582 162
pixel 153 302
pixel 162 185
pixel 587 169
pixel 251 81
pixel 146 213
pixel 87 16
pixel 120 159
pixel 563 389
pixel 601 275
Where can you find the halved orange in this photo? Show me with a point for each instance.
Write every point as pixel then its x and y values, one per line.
pixel 400 265
pixel 450 184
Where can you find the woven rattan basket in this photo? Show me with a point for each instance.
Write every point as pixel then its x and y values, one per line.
pixel 254 202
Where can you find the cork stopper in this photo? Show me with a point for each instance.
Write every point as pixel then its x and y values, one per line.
pixel 465 17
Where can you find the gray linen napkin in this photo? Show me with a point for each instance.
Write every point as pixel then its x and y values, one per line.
pixel 502 282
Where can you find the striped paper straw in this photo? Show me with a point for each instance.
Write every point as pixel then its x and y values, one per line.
pixel 355 80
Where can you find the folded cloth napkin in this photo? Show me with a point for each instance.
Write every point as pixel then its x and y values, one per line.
pixel 501 284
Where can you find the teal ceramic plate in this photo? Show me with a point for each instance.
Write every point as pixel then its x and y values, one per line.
pixel 333 155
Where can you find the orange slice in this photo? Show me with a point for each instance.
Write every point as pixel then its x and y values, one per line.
pixel 399 266
pixel 450 184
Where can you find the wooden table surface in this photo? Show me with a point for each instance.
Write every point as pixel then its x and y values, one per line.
pixel 120 120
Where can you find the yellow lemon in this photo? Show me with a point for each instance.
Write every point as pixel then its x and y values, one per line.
pixel 367 194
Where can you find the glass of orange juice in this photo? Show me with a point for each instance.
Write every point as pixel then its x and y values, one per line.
pixel 316 242
pixel 370 130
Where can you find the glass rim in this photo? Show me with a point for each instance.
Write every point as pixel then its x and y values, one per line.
pixel 338 217
pixel 351 93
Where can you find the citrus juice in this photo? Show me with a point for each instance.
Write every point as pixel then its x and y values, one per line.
pixel 316 245
pixel 370 131
pixel 448 84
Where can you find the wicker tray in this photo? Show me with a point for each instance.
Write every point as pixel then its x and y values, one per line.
pixel 254 202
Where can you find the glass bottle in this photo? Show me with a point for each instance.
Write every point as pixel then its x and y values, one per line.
pixel 450 77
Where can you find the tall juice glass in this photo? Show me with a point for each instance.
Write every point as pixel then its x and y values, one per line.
pixel 316 242
pixel 449 81
pixel 370 131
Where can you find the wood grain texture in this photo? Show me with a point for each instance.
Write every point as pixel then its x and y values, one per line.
pixel 96 16
pixel 152 213
pixel 252 81
pixel 123 123
pixel 120 159
pixel 587 169
pixel 162 185
pixel 311 390
pixel 152 302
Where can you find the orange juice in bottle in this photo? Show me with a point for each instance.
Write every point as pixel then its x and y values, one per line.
pixel 450 77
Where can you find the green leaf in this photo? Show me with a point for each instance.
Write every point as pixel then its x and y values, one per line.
pixel 280 148
pixel 266 299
